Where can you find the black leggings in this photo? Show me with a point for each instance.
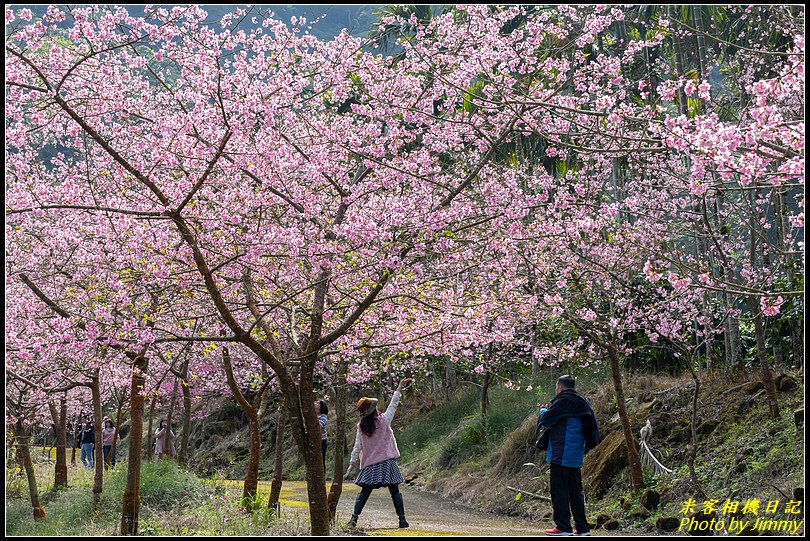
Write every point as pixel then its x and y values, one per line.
pixel 365 492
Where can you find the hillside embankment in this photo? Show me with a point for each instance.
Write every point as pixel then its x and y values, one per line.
pixel 741 456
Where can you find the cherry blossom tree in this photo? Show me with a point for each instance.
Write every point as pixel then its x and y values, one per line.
pixel 168 179
pixel 198 156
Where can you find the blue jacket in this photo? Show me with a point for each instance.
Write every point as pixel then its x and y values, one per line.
pixel 571 429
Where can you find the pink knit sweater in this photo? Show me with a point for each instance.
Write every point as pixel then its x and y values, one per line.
pixel 382 445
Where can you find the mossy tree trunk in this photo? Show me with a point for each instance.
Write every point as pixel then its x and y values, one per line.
pixel 450 381
pixel 98 451
pixel 132 494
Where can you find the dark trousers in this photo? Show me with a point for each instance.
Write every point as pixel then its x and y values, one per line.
pixel 109 459
pixel 323 453
pixel 567 498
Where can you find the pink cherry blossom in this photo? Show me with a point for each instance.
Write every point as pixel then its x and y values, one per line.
pixel 770 306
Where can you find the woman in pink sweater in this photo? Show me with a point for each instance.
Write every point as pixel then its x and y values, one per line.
pixel 377 448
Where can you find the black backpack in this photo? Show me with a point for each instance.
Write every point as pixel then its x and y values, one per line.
pixel 541 436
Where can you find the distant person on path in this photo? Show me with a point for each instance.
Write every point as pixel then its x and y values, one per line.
pixel 88 443
pixel 571 430
pixel 377 447
pixel 323 411
pixel 107 435
pixel 164 441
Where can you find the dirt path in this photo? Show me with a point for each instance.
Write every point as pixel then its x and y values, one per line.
pixel 427 514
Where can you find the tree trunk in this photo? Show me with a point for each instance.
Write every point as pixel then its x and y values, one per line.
pixel 251 484
pixel 676 50
pixel 707 330
pixel 118 416
pixel 735 357
pixel 693 451
pixel 781 210
pixel 306 431
pixel 169 446
pixel 762 354
pixel 633 460
pixel 315 477
pixel 22 435
pixel 340 443
pixel 731 336
pixel 98 451
pixel 777 356
pixel 485 393
pixel 275 486
pixel 75 441
pixel 149 434
pixel 450 378
pixel 485 387
pixel 183 456
pixel 797 344
pixel 753 306
pixel 132 494
pixel 697 12
pixel 60 475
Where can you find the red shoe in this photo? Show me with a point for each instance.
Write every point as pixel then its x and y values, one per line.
pixel 555 531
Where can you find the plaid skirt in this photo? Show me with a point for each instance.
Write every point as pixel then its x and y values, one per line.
pixel 380 474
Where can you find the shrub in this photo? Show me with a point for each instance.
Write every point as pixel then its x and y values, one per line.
pixel 164 485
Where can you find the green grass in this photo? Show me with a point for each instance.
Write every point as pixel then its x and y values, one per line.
pixel 455 432
pixel 173 502
pixel 436 424
pixel 68 512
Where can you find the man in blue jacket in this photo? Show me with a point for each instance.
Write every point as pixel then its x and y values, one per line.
pixel 567 429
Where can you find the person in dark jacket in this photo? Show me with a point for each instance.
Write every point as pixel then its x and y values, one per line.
pixel 88 443
pixel 567 430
